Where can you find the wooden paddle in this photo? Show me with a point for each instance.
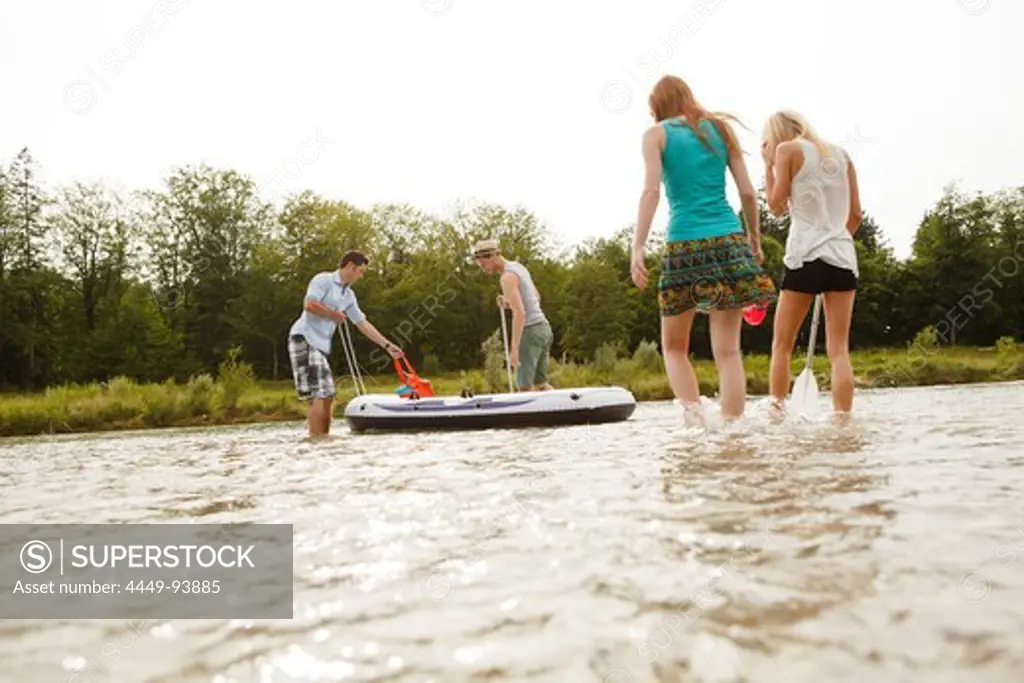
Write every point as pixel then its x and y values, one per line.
pixel 508 360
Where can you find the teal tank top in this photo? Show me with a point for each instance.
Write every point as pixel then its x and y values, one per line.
pixel 694 179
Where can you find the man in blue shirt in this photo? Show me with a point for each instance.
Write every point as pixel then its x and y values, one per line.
pixel 329 301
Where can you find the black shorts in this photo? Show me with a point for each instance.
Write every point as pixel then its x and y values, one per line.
pixel 817 276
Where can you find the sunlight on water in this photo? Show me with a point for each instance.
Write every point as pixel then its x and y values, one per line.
pixel 658 549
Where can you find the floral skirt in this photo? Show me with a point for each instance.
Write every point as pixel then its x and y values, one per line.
pixel 716 273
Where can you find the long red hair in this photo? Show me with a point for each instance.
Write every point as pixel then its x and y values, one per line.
pixel 672 98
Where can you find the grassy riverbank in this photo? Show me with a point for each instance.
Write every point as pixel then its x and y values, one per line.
pixel 234 396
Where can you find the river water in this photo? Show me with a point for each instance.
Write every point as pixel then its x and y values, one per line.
pixel 884 550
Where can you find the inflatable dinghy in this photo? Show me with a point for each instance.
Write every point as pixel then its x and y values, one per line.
pixel 414 406
pixel 591 405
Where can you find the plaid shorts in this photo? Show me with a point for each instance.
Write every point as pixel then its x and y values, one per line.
pixel 311 370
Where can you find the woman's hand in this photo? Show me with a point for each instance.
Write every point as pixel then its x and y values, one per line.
pixel 767 154
pixel 637 268
pixel 755 247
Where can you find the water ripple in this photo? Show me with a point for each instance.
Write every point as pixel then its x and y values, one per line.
pixel 642 551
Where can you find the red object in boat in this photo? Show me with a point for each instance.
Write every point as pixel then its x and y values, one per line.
pixel 421 387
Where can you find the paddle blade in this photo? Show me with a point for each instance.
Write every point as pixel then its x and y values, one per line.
pixel 805 393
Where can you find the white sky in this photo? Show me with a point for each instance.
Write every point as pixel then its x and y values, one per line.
pixel 433 101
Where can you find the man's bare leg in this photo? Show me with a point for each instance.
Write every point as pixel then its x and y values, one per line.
pixel 319 417
pixel 328 414
pixel 313 417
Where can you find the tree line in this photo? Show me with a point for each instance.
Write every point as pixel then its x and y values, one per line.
pixel 162 284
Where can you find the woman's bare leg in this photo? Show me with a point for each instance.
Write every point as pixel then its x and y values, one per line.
pixel 725 329
pixel 675 345
pixel 838 307
pixel 789 318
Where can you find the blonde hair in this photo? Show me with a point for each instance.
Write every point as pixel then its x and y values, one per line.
pixel 672 97
pixel 786 125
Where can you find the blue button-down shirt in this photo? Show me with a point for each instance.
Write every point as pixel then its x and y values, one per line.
pixel 328 289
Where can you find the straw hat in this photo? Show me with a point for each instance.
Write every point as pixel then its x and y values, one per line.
pixel 484 247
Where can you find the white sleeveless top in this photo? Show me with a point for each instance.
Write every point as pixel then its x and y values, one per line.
pixel 819 207
pixel 528 292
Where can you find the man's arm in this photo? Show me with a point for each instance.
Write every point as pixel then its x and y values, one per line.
pixel 315 292
pixel 358 318
pixel 317 308
pixel 371 333
pixel 510 288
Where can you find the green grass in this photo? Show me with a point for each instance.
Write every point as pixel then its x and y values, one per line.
pixel 235 397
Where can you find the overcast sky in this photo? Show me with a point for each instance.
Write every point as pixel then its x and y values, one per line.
pixel 538 103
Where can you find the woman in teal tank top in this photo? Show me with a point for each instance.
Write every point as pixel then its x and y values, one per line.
pixel 709 265
pixel 694 179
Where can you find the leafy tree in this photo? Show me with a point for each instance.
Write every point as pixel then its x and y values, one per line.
pixel 203 229
pixel 93 286
pixel 598 309
pixel 96 238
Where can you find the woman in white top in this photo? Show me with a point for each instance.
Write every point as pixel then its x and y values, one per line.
pixel 816 182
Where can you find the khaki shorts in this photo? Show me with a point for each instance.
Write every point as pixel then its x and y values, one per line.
pixel 533 355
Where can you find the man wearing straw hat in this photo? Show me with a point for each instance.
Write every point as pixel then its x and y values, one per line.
pixel 329 301
pixel 531 331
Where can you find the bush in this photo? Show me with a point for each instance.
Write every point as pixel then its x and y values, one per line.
pixel 474 381
pixel 234 379
pixel 494 363
pixel 122 389
pixel 646 357
pixel 927 339
pixel 1007 358
pixel 570 374
pixel 199 394
pixel 606 356
pixel 122 399
pixel 1006 347
pixel 431 366
pixel 161 403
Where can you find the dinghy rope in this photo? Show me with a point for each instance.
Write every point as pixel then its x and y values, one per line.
pixel 350 356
